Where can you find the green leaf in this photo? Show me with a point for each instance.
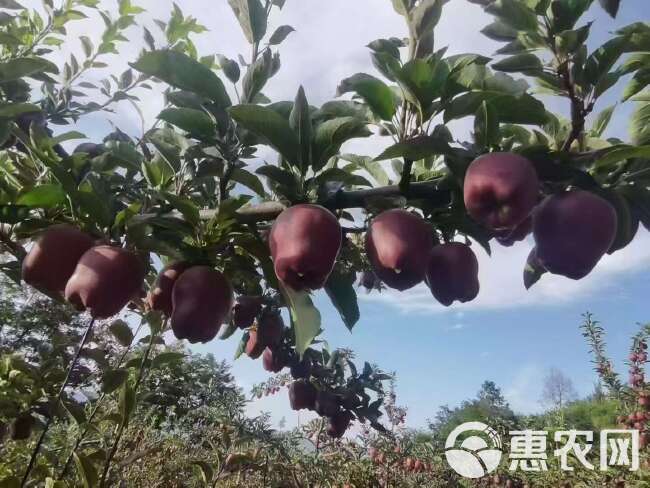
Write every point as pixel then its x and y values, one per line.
pixel 280 34
pixel 570 41
pixel 519 63
pixel 602 121
pixel 157 172
pixel 425 16
pixel 185 206
pixel 402 7
pixel 605 82
pixel 640 124
pixel 112 379
pixel 640 80
pixel 340 289
pixel 375 93
pixel 522 109
pixel 75 411
pixel 415 149
pixel 271 126
pixel 68 136
pixel 21 67
pixel 96 207
pixel 207 473
pixel 122 332
pixel 601 61
pixel 330 136
pixel 300 122
pixel 52 483
pixel 126 402
pixel 305 318
pixel 277 175
pixel 533 270
pixel 258 74
pixel 515 13
pixel 11 110
pixel 423 80
pixel 499 31
pixel 626 228
pixel 196 122
pixel 486 126
pixel 621 152
pixel 165 358
pixel 87 470
pixel 181 71
pixel 567 12
pixel 610 6
pixel 43 196
pixel 252 18
pixel 228 331
pixel 249 180
pixel 230 68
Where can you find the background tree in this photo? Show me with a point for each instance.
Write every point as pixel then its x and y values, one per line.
pixel 557 390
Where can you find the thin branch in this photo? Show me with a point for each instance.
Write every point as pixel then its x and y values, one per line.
pixel 48 424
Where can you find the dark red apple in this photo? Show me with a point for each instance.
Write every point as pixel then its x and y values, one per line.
pixel 246 310
pixel 398 244
pixel 302 394
pixel 270 327
pixel 105 280
pixel 202 299
pixel 573 230
pixel 305 241
pixel 300 369
pixel 273 361
pixel 327 404
pixel 500 190
pixel 254 346
pixel 160 296
pixel 53 258
pixel 452 273
pixel 339 423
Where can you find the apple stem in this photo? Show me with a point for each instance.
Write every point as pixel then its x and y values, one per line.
pixel 48 423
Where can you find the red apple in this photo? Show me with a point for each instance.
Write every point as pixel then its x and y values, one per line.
pixel 105 280
pixel 302 395
pixel 202 299
pixel 305 241
pixel 339 423
pixel 53 258
pixel 398 245
pixel 160 296
pixel 273 361
pixel 452 273
pixel 573 230
pixel 500 190
pixel 246 310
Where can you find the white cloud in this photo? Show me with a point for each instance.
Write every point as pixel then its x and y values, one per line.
pixel 502 286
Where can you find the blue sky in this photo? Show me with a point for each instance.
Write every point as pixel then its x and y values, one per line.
pixel 441 356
